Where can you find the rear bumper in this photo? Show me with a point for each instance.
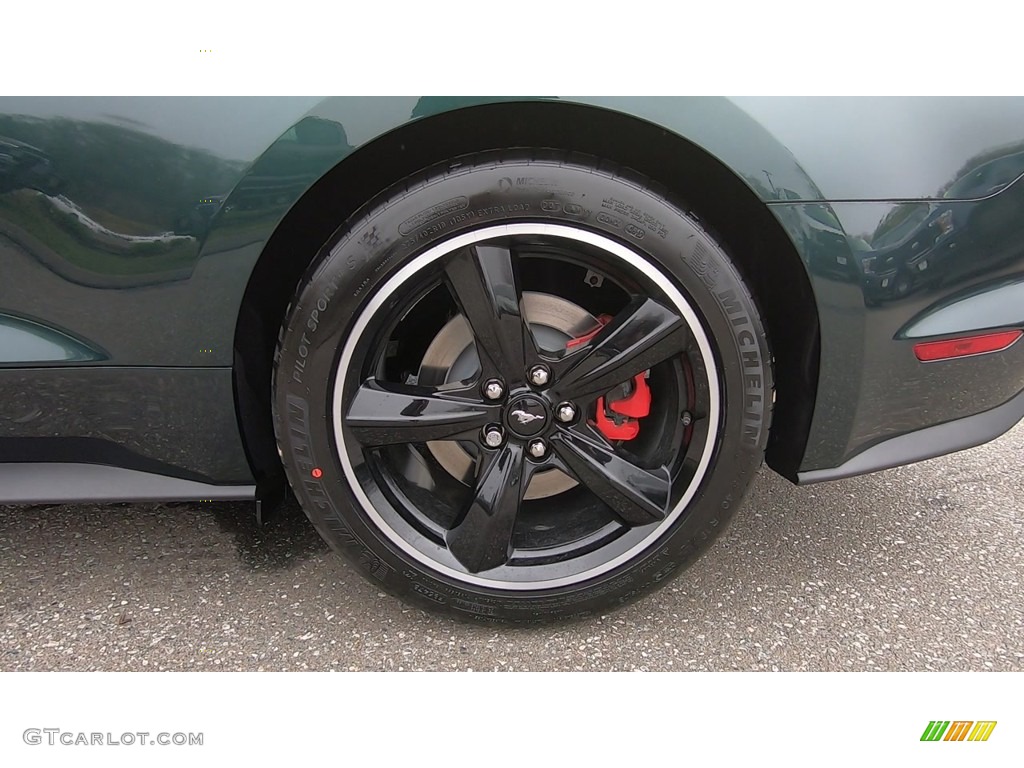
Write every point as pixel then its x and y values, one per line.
pixel 927 443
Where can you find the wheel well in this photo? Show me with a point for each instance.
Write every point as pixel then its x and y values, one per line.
pixel 687 174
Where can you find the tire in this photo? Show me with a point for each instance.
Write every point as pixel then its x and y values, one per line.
pixel 403 356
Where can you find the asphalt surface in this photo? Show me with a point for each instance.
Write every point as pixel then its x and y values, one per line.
pixel 919 568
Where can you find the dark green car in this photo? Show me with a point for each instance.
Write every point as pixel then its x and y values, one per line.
pixel 517 359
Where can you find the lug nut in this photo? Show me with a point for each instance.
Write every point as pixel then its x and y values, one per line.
pixel 538 449
pixel 493 390
pixel 493 437
pixel 539 375
pixel 566 412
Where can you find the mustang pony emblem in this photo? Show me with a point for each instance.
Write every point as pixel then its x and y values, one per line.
pixel 524 417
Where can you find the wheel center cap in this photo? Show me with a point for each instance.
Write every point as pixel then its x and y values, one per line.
pixel 526 416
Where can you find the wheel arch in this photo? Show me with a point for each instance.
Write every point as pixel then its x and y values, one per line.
pixel 687 173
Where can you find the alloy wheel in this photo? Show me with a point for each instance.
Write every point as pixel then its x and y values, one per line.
pixel 504 465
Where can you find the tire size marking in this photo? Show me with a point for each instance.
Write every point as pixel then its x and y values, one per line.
pixel 422 218
pixel 640 219
pixel 479 213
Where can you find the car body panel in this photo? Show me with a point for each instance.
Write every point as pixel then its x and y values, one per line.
pixel 170 229
pixel 871 387
pixel 170 421
pixel 890 148
pixel 988 306
pixel 132 225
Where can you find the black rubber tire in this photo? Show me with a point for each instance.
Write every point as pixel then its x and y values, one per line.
pixel 501 188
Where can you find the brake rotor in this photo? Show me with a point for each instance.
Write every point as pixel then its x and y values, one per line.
pixel 452 357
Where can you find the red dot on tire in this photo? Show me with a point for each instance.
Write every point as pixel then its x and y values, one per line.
pixel 317 472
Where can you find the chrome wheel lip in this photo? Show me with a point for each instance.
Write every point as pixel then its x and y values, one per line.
pixel 566 232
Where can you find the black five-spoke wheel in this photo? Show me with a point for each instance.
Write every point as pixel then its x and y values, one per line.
pixel 516 418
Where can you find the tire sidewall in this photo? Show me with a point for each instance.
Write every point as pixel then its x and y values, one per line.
pixel 405 222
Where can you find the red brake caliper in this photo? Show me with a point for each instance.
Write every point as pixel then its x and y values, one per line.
pixel 618 412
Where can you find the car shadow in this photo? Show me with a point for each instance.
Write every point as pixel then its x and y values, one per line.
pixel 285 539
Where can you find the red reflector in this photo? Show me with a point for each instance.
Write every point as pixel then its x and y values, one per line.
pixel 972 345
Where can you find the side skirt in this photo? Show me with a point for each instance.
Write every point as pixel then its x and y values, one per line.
pixel 57 483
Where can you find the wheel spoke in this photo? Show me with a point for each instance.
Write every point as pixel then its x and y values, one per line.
pixel 483 538
pixel 639 496
pixel 384 413
pixel 644 334
pixel 484 283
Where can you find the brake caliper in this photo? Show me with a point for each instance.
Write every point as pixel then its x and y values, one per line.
pixel 619 411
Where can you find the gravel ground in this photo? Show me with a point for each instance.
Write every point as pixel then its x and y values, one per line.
pixel 919 568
